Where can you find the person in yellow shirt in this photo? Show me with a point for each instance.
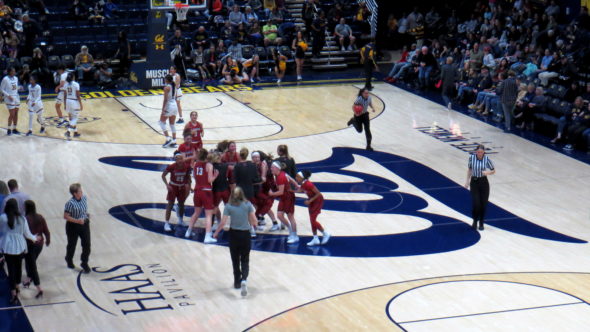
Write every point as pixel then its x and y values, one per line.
pixel 84 63
pixel 4 10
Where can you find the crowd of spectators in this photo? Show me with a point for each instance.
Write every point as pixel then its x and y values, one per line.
pixel 519 63
pixel 263 33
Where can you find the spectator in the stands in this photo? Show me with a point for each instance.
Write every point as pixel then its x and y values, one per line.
pixel 309 12
pixel 255 33
pixel 236 16
pixel 523 112
pixel 579 124
pixel 344 34
pixel 11 42
pixel 5 10
pixel 270 32
pixel 78 11
pixel 404 59
pixel 568 118
pixel 334 15
pixel 212 61
pixel 551 70
pixel 198 59
pixel 276 15
pixel 240 34
pixel 475 57
pixel 255 4
pixel 318 33
pixel 269 5
pixel 110 9
pixel 123 53
pixel 39 66
pixel 552 9
pixel 24 75
pixel 201 37
pixel 427 63
pixel 96 13
pixel 235 51
pixel 226 32
pixel 104 77
pixel 449 76
pixel 84 63
pixel 250 16
pixel 467 83
pixel 488 58
pixel 31 31
pixel 361 18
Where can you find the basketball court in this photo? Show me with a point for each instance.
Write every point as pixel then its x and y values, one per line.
pixel 403 255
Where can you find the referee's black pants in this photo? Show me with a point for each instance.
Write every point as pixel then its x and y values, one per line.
pixel 73 232
pixel 480 192
pixel 239 249
pixel 361 121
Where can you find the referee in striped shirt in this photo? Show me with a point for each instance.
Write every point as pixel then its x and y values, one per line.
pixel 480 166
pixel 77 226
pixel 361 119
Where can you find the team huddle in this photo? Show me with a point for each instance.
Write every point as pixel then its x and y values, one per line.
pixel 68 92
pixel 217 172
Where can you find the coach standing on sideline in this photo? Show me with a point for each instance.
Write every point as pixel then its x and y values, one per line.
pixel 508 91
pixel 480 166
pixel 368 62
pixel 77 225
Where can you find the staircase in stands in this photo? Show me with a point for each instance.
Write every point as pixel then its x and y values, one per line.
pixel 331 56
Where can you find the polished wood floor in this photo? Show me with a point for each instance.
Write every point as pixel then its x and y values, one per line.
pixel 510 277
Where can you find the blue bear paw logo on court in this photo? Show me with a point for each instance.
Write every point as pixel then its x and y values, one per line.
pixel 444 234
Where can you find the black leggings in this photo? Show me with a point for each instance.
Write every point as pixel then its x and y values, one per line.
pixel 239 249
pixel 361 121
pixel 14 263
pixel 480 192
pixel 33 251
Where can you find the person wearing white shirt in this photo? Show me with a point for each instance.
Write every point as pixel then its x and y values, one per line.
pixel 9 87
pixel 35 105
pixel 61 75
pixel 14 229
pixel 73 105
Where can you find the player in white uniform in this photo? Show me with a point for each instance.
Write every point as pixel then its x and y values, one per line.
pixel 73 104
pixel 177 80
pixel 35 105
pixel 169 111
pixel 9 87
pixel 63 74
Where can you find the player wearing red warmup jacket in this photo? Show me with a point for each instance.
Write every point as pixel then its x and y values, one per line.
pixel 264 202
pixel 178 187
pixel 286 200
pixel 314 202
pixel 204 175
pixel 196 130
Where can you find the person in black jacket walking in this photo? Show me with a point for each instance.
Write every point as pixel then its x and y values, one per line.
pixel 508 91
pixel 448 77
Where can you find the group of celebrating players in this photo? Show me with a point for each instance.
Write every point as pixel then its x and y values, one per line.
pixel 261 178
pixel 68 92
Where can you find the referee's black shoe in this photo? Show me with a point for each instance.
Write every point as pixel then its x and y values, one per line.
pixel 70 264
pixel 85 267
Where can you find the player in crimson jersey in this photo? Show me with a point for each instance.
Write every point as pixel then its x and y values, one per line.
pixel 286 200
pixel 314 202
pixel 196 129
pixel 230 157
pixel 220 185
pixel 178 187
pixel 187 148
pixel 204 174
pixel 263 200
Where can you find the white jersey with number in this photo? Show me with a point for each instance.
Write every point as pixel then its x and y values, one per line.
pixel 171 109
pixel 34 98
pixel 9 87
pixel 62 80
pixel 72 89
pixel 177 78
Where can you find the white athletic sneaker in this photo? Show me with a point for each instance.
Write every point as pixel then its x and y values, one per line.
pixel 325 237
pixel 168 141
pixel 342 48
pixel 293 239
pixel 299 78
pixel 314 242
pixel 274 228
pixel 252 80
pixel 449 106
pixel 261 222
pixel 188 233
pixel 167 227
pixel 244 288
pixel 349 47
pixel 209 239
pixel 279 80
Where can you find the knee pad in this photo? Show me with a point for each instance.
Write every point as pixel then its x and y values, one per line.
pixel 74 121
pixel 172 129
pixel 162 125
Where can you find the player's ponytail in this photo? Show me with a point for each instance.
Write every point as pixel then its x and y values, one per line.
pixel 169 80
pixel 70 78
pixel 306 174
